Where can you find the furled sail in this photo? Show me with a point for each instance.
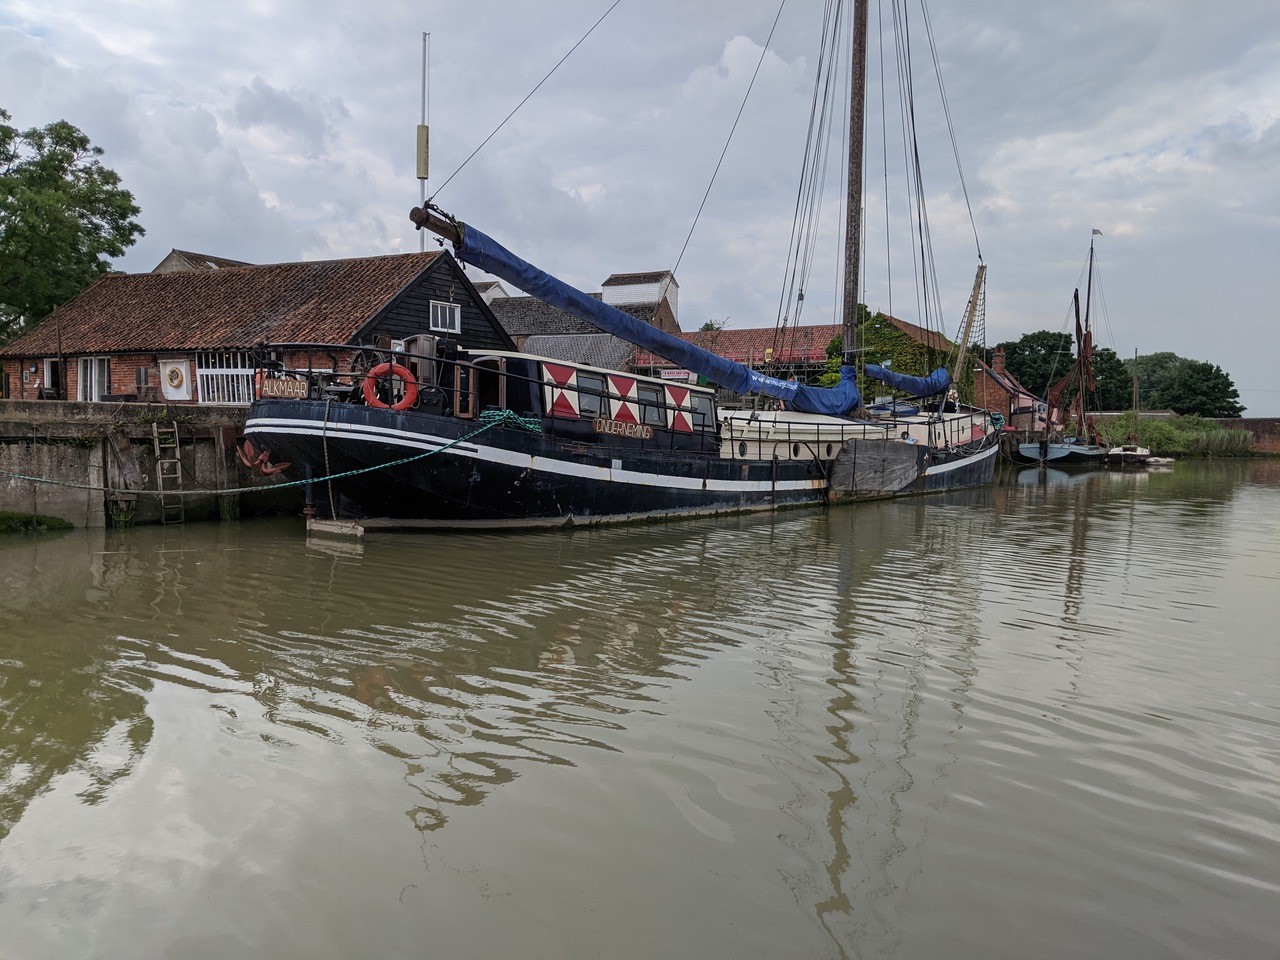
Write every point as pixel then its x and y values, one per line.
pixel 486 253
pixel 934 383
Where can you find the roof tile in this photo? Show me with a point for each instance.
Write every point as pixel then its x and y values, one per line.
pixel 312 302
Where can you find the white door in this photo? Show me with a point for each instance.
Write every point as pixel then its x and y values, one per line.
pixel 94 379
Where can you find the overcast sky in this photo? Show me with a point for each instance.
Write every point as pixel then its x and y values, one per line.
pixel 284 130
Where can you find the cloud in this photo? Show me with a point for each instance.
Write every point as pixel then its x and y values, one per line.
pixel 298 117
pixel 280 134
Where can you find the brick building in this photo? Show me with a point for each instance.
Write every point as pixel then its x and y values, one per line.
pixel 999 391
pixel 192 331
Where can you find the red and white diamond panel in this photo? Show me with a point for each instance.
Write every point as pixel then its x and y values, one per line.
pixel 561 385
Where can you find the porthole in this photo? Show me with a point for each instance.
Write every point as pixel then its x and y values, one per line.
pixel 795 451
pixel 742 448
pixel 830 448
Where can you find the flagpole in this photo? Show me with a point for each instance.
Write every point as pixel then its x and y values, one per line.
pixel 422 128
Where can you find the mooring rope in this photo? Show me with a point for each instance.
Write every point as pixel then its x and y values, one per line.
pixel 488 420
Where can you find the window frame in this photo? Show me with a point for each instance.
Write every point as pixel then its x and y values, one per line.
pixel 451 324
pixel 100 377
pixel 596 391
pixel 652 400
pixel 702 411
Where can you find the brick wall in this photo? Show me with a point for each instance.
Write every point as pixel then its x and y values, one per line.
pixel 11 383
pixel 1265 430
pixel 123 372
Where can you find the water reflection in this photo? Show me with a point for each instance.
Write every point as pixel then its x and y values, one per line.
pixel 461 657
pixel 67 707
pixel 924 592
pixel 888 730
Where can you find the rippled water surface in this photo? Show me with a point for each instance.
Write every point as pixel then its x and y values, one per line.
pixel 1037 721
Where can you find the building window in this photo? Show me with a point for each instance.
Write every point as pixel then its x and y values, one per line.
pixel 446 317
pixel 224 377
pixel 95 379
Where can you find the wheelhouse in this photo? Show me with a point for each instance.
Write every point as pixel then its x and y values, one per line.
pixel 577 403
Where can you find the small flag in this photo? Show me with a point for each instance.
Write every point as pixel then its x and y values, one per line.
pixel 1097 232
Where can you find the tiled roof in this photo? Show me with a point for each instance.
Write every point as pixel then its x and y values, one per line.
pixel 748 345
pixel 592 349
pixel 199 261
pixel 801 344
pixel 627 279
pixel 1005 381
pixel 930 338
pixel 318 301
pixel 530 317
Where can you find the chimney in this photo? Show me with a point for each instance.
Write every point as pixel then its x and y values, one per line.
pixel 997 361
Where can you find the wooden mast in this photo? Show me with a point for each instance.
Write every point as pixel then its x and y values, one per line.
pixel 853 200
pixel 1086 357
pixel 966 330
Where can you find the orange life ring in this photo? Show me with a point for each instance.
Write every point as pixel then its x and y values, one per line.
pixel 257 385
pixel 370 388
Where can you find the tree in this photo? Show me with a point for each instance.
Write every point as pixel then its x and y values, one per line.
pixel 830 375
pixel 1200 388
pixel 1039 359
pixel 1155 371
pixel 713 325
pixel 62 215
pixel 1112 379
pixel 835 349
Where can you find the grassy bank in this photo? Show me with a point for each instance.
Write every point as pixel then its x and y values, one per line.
pixel 24 522
pixel 1183 437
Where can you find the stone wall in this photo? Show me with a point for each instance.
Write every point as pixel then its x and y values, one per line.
pixel 79 445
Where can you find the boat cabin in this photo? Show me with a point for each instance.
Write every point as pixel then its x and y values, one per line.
pixel 578 403
pixel 589 405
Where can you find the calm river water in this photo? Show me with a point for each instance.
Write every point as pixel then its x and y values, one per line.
pixel 1038 721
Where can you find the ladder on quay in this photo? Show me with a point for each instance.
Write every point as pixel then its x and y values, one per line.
pixel 168 472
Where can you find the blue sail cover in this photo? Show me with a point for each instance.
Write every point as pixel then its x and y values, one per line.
pixel 489 255
pixel 935 382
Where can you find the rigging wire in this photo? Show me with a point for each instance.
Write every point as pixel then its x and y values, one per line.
pixel 525 100
pixel 907 130
pixel 802 243
pixel 670 277
pixel 884 159
pixel 946 112
pixel 729 139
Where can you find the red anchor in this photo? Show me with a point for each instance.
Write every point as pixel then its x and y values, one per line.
pixel 252 458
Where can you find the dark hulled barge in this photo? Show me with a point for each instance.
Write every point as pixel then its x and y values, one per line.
pixel 449 440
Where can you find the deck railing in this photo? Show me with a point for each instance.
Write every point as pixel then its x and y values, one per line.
pixel 734 437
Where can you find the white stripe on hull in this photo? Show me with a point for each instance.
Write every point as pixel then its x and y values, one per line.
pixel 476 451
pixel 947 467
